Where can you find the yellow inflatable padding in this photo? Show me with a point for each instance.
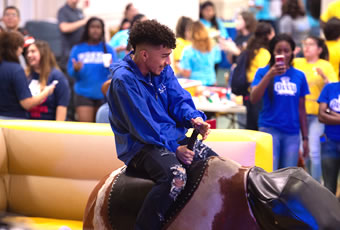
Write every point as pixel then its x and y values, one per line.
pixel 37 223
pixel 70 127
pixel 264 144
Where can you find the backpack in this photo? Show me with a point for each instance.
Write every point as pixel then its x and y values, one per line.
pixel 239 82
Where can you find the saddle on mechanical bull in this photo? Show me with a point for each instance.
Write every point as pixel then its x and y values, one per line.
pixel 219 194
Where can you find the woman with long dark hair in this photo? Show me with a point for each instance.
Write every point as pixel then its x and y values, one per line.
pixel 294 21
pixel 43 70
pixel 258 57
pixel 319 72
pixel 245 25
pixel 208 19
pixel 15 96
pixel 257 48
pixel 283 89
pixel 88 65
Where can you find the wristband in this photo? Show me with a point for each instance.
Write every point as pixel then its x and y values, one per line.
pixel 305 138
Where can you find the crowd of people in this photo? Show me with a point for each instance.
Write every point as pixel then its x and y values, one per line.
pixel 296 99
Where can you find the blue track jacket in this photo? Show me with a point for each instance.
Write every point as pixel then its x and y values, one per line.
pixel 147 109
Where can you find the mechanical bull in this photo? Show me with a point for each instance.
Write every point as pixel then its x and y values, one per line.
pixel 219 194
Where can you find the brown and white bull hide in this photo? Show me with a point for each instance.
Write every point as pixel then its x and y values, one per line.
pixel 96 212
pixel 219 202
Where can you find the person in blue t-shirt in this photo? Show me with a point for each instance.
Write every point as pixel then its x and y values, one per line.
pixel 329 114
pixel 43 70
pixel 211 22
pixel 15 96
pixel 199 59
pixel 266 11
pixel 283 89
pixel 149 115
pixel 119 41
pixel 89 64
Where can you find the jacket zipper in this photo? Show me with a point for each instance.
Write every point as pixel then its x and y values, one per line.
pixel 153 87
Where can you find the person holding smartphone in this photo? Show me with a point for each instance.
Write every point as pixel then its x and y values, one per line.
pixel 15 96
pixel 283 89
pixel 43 70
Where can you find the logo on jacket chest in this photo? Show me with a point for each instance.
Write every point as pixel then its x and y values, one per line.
pixel 161 88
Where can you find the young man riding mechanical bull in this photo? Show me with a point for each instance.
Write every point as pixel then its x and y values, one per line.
pixel 150 115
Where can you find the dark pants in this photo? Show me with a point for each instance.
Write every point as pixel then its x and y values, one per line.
pixel 169 175
pixel 330 158
pixel 253 111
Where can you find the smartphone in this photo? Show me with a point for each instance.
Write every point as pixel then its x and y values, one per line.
pixel 280 59
pixel 55 82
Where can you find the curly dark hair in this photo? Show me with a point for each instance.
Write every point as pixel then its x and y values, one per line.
pixel 153 33
pixel 9 44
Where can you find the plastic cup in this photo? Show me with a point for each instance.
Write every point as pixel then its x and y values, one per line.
pixel 107 60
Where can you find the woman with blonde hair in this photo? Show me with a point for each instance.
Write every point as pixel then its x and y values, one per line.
pixel 199 59
pixel 43 70
pixel 15 96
